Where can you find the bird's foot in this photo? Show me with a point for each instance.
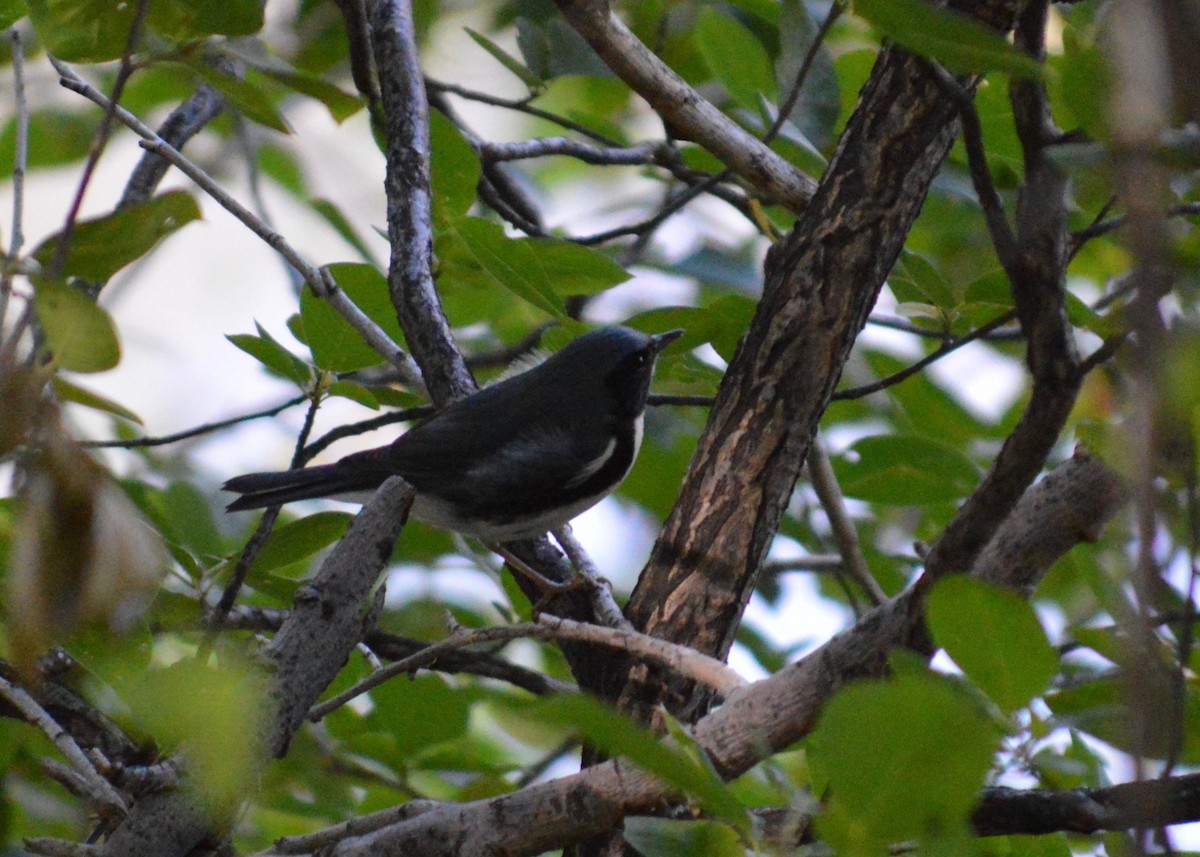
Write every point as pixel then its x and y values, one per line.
pixel 549 589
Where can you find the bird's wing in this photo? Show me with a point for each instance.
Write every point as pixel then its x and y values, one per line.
pixel 542 462
pixel 492 441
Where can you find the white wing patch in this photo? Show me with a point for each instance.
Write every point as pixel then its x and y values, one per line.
pixel 592 467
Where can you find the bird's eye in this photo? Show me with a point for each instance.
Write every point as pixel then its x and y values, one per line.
pixel 641 358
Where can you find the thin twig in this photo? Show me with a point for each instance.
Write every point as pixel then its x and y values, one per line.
pixel 687 662
pixel 100 141
pixel 905 326
pixel 667 211
pixel 310 843
pixel 1003 238
pixel 1103 227
pixel 521 106
pixel 187 120
pixel 909 371
pixel 8 348
pixel 206 428
pixel 534 772
pixel 821 562
pixel 685 110
pixel 241 136
pixel 604 605
pixel 318 279
pixel 99 789
pixel 20 161
pixel 1104 353
pixel 789 104
pixel 824 482
pixel 410 203
pixel 640 154
pixel 661 153
pixel 254 546
pixel 362 427
pixel 393 647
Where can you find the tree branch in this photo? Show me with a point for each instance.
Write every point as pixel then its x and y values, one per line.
pixel 206 428
pixel 409 204
pixel 106 798
pixel 754 722
pixel 395 648
pixel 318 279
pixel 680 659
pixel 1037 275
pixel 688 114
pixel 1137 805
pixel 324 626
pixel 821 284
pixel 845 535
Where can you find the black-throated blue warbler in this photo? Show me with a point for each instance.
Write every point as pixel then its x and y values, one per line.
pixel 511 461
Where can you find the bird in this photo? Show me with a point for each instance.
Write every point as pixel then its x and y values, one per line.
pixel 514 460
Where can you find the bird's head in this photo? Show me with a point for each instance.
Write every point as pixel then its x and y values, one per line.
pixel 614 361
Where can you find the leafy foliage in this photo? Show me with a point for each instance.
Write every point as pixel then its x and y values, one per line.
pixel 532 249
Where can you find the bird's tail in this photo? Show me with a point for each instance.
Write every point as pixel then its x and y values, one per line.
pixel 260 490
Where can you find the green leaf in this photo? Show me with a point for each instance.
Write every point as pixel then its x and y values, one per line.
pixel 916 278
pixel 906 470
pixel 80 335
pixel 213 710
pixel 190 518
pixel 959 42
pixel 82 30
pixel 244 95
pixel 1101 708
pixel 670 837
pixel 367 286
pixel 419 713
pixel 184 20
pixel 300 539
pixel 732 314
pixel 877 739
pixel 474 249
pixel 284 167
pixel 56 137
pixel 1086 81
pixel 995 637
pixel 573 269
pixel 11 11
pixel 341 105
pixel 1046 845
pixel 928 408
pixel 454 169
pixel 817 110
pixel 230 17
pixel 65 391
pixel 98 30
pixel 509 62
pixel 336 345
pixel 698 324
pixel 355 393
pixel 267 351
pixel 735 57
pixel 1082 315
pixel 335 218
pixel 553 49
pixel 617 735
pixel 101 247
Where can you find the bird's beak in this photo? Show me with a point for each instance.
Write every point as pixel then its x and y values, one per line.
pixel 662 340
